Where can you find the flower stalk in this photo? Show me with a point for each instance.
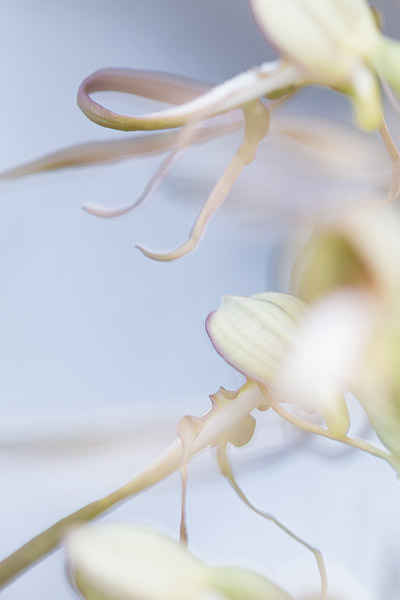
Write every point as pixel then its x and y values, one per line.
pixel 228 412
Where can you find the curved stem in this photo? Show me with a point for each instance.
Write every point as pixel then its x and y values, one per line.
pixel 314 428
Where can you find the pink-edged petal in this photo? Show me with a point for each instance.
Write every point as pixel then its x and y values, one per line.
pixel 252 334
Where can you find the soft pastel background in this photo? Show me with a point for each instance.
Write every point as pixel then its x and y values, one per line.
pixel 102 350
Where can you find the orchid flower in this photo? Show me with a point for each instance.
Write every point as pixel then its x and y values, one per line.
pixel 260 336
pixel 228 422
pixel 346 337
pixel 127 562
pixel 333 43
pixel 278 342
pixel 336 43
pixel 350 273
pixel 257 335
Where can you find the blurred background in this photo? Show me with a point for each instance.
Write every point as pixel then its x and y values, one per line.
pixel 102 350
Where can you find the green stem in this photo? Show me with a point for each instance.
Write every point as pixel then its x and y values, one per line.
pixel 216 423
pixel 49 540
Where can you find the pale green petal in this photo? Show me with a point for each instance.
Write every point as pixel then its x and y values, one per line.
pixel 326 37
pixel 350 23
pixel 252 334
pixel 335 412
pixel 294 307
pixel 359 249
pixel 387 62
pixel 267 338
pixel 365 95
pixel 240 584
pixel 128 562
pixel 337 43
pixel 378 386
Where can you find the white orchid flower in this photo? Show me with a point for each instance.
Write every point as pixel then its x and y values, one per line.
pixel 337 43
pixel 127 562
pixel 357 256
pixel 267 325
pixel 258 336
pixel 298 354
pixel 229 422
pixel 334 43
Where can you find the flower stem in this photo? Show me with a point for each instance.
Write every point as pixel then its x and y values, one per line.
pixel 49 540
pixel 210 427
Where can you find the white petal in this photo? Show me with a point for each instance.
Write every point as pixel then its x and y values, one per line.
pixel 326 37
pixel 329 349
pixel 252 334
pixel 126 562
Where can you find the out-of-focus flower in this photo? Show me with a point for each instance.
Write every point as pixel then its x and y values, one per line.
pixel 258 336
pixel 346 337
pixel 127 562
pixel 334 43
pixel 350 272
